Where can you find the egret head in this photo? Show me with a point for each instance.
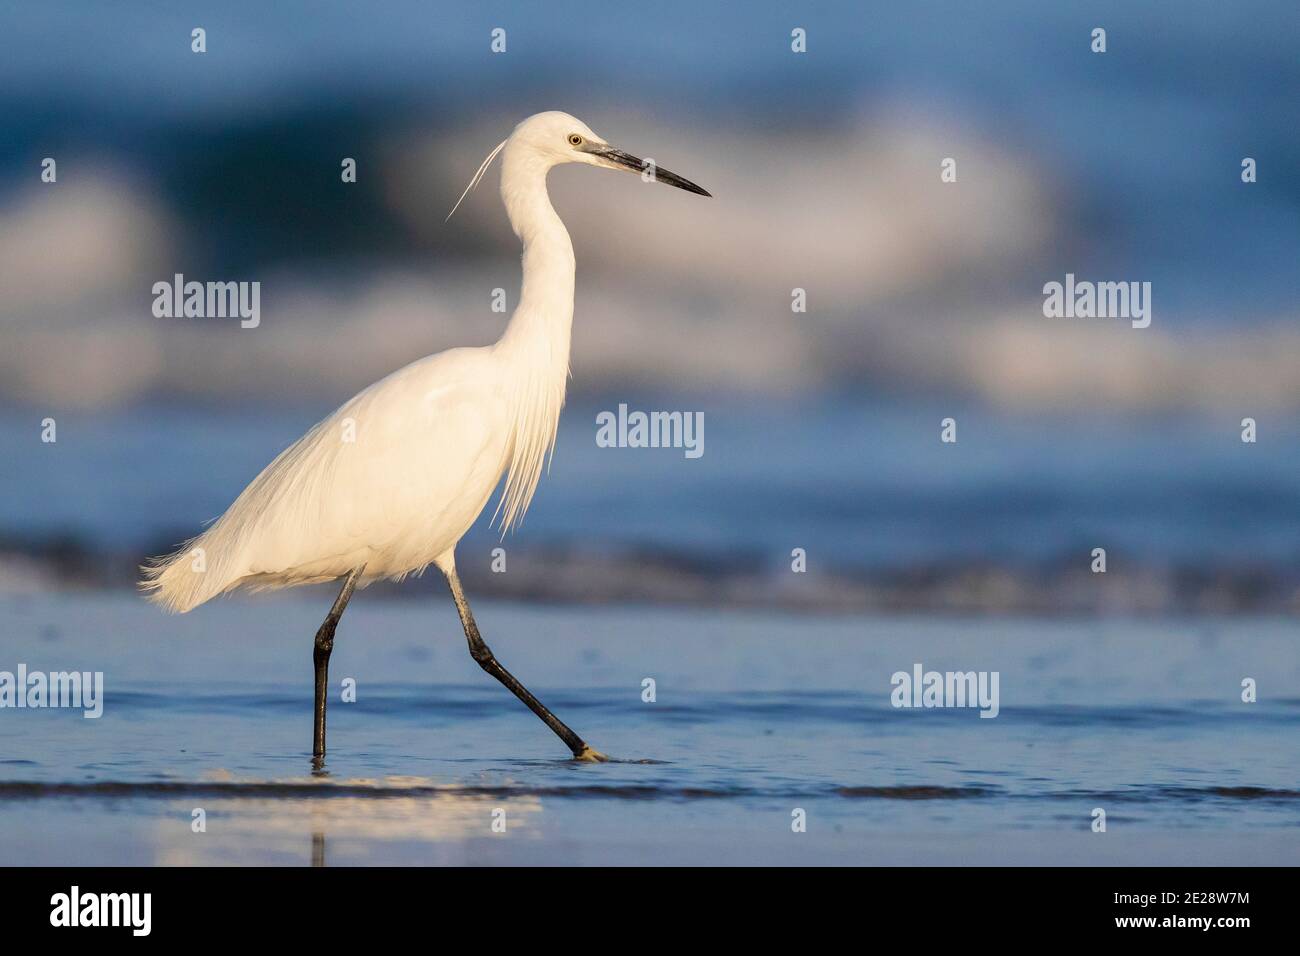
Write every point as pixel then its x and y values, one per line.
pixel 561 138
pixel 554 138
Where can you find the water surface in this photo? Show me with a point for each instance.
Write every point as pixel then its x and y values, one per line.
pixel 755 716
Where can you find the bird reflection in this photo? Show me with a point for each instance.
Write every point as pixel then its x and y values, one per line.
pixel 418 815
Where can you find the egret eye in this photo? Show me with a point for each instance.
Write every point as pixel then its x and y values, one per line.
pixel 575 139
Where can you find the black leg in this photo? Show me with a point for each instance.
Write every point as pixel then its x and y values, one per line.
pixel 321 657
pixel 481 653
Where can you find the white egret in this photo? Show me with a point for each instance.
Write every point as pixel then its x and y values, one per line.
pixel 390 482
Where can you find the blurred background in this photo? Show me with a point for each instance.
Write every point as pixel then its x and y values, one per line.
pixel 822 429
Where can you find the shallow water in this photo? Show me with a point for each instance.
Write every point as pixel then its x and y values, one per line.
pixel 755 716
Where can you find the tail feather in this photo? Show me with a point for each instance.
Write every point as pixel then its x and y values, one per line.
pixel 184 579
pixel 217 560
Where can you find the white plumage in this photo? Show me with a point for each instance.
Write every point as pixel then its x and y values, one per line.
pixel 432 440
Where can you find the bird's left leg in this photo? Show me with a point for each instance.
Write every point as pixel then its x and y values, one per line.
pixel 321 658
pixel 483 655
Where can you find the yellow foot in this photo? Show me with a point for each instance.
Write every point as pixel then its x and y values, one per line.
pixel 590 755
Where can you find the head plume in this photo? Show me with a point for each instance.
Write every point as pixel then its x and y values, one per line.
pixel 477 176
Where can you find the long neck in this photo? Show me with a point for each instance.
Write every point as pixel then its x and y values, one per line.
pixel 545 312
pixel 535 344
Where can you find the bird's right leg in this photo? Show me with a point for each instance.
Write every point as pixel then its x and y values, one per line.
pixel 485 659
pixel 321 657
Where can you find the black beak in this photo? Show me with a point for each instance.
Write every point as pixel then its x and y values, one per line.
pixel 633 164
